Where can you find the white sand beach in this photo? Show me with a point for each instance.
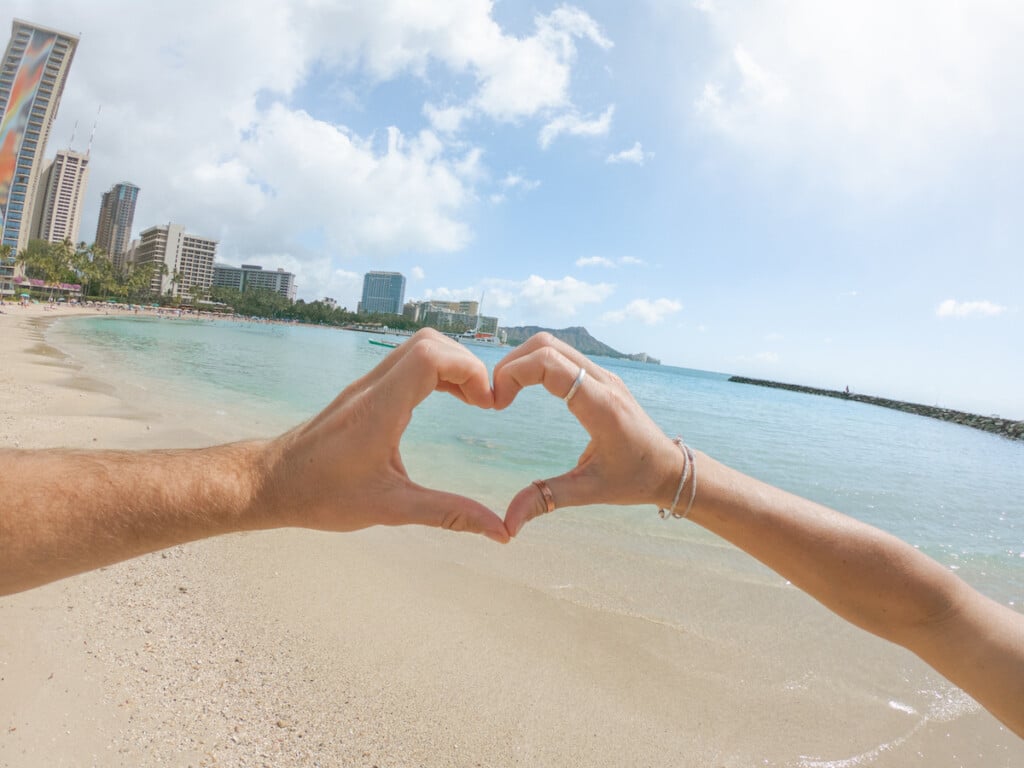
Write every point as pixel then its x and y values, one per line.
pixel 412 647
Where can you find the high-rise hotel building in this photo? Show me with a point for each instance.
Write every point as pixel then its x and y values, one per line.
pixel 32 76
pixel 383 293
pixel 58 209
pixel 117 214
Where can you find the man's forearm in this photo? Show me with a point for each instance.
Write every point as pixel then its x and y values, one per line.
pixel 65 512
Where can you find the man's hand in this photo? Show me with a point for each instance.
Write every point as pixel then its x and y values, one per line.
pixel 342 470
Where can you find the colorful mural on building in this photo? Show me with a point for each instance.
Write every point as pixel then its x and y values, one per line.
pixel 13 127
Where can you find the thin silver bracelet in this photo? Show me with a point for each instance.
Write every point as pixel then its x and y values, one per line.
pixel 663 513
pixel 689 463
pixel 693 488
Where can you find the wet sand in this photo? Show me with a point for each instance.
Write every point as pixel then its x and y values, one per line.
pixel 412 647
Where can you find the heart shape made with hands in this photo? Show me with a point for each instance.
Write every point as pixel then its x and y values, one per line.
pixel 628 460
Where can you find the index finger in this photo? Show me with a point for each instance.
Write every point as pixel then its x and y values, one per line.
pixel 437 363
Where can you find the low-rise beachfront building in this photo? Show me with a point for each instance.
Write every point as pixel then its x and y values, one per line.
pixel 450 316
pixel 8 265
pixel 184 262
pixel 249 277
pixel 42 288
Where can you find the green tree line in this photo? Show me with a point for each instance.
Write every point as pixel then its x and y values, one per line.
pixel 86 265
pixel 273 306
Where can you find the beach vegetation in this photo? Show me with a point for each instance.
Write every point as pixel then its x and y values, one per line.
pixel 274 306
pixel 88 265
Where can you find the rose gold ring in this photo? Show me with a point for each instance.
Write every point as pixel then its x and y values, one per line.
pixel 576 384
pixel 549 500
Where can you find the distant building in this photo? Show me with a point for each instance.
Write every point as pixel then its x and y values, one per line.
pixel 187 260
pixel 117 215
pixel 32 75
pixel 58 208
pixel 450 316
pixel 7 265
pixel 249 277
pixel 383 293
pixel 459 307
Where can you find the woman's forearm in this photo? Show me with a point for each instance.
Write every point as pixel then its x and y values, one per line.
pixel 875 581
pixel 867 576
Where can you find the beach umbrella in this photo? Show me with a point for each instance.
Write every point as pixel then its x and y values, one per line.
pixel 25 296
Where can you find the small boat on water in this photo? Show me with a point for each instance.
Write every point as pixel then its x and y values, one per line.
pixel 379 343
pixel 478 337
pixel 481 339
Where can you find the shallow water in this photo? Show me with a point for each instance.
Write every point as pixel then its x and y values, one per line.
pixel 950 490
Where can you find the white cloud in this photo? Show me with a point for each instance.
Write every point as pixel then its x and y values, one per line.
pixel 572 124
pixel 564 296
pixel 521 77
pixel 880 97
pixel 603 261
pixel 533 301
pixel 515 76
pixel 207 119
pixel 594 261
pixel 323 280
pixel 517 181
pixel 954 308
pixel 446 119
pixel 417 273
pixel 634 154
pixel 408 195
pixel 645 311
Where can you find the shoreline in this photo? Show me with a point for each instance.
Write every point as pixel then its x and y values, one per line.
pixel 1008 428
pixel 416 647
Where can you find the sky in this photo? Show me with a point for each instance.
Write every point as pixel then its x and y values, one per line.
pixel 819 193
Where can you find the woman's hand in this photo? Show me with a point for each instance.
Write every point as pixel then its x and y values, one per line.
pixel 629 460
pixel 342 470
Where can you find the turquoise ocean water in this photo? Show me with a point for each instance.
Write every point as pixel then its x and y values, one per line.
pixel 763 647
pixel 954 492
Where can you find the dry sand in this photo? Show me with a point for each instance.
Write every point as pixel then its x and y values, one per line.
pixel 389 647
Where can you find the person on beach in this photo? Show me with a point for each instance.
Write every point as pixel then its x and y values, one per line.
pixel 342 471
pixel 866 576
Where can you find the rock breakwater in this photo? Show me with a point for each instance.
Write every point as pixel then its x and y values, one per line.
pixel 1005 427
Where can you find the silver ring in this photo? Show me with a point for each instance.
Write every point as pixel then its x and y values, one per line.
pixel 576 384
